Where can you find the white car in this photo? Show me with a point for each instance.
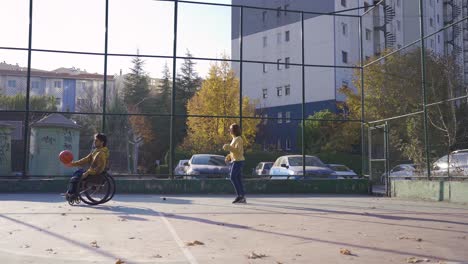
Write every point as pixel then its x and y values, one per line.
pixel 402 171
pixel 181 167
pixel 207 166
pixel 263 168
pixel 291 167
pixel 343 171
pixel 456 165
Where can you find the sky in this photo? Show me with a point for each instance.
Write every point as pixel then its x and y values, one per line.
pixel 134 25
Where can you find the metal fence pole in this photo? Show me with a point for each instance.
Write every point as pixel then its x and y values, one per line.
pixel 28 88
pixel 423 86
pixel 361 53
pixel 106 38
pixel 303 95
pixel 241 57
pixel 173 95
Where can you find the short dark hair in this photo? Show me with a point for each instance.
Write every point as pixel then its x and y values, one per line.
pixel 235 128
pixel 102 138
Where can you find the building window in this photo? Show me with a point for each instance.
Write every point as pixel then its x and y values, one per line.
pixel 279 91
pixel 344 29
pixel 265 93
pixel 265 69
pixel 432 43
pixel 398 3
pixel 265 121
pixel 279 144
pixel 288 117
pixel 343 3
pixel 431 22
pixel 366 6
pixel 286 61
pixel 368 34
pixel 12 83
pixel 278 64
pixel 278 38
pixel 286 7
pixel 83 85
pixel 57 100
pixel 286 36
pixel 398 25
pixel 278 11
pixel 288 144
pixel 280 118
pixel 35 85
pixel 438 39
pixel 344 56
pixel 398 46
pixel 265 41
pixel 438 19
pixel 57 84
pixel 264 16
pixel 287 89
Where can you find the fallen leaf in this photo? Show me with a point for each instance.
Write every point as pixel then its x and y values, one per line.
pixel 194 243
pixel 25 246
pixel 64 214
pixel 49 250
pixel 345 251
pixel 413 260
pixel 131 238
pixel 298 255
pixel 119 261
pixel 94 244
pixel 157 256
pixel 410 238
pixel 254 255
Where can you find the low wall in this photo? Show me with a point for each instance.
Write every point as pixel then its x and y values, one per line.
pixel 450 191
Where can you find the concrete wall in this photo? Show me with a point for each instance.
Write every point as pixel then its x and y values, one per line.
pixel 449 191
pixel 221 186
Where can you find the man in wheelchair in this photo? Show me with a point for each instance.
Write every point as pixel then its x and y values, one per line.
pixel 98 161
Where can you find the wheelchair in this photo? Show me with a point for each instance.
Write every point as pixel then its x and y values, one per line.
pixel 94 190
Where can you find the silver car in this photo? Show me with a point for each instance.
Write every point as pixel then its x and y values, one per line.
pixel 207 166
pixel 181 167
pixel 343 171
pixel 291 167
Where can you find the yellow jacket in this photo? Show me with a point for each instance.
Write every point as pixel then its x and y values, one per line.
pixel 97 159
pixel 236 149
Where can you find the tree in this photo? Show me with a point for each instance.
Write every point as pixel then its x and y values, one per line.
pixel 393 88
pixel 135 93
pixel 218 96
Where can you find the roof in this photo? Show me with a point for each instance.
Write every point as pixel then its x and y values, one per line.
pixel 55 120
pixel 60 73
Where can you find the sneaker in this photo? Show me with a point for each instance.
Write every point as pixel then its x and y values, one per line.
pixel 242 200
pixel 238 198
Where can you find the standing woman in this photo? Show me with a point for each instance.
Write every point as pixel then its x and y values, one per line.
pixel 236 157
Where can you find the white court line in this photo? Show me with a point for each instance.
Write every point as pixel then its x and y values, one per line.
pixel 191 259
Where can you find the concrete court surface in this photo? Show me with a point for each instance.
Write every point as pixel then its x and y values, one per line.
pixel 42 228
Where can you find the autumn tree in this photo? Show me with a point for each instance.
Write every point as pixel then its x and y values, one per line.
pixel 218 96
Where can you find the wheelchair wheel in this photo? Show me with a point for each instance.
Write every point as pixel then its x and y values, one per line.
pixel 112 188
pixel 95 191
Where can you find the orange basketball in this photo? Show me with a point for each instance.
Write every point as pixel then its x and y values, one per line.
pixel 66 156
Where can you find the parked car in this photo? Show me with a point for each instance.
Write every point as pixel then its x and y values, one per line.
pixel 263 168
pixel 456 164
pixel 206 166
pixel 181 167
pixel 343 172
pixel 291 167
pixel 402 171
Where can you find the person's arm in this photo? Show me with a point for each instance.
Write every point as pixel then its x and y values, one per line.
pixel 98 165
pixel 86 160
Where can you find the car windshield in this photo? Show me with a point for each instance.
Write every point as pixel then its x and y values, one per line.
pixel 208 160
pixel 460 159
pixel 310 161
pixel 267 166
pixel 339 168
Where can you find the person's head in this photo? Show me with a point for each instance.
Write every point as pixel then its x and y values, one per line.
pixel 100 140
pixel 234 130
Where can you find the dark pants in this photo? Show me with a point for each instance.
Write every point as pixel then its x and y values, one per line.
pixel 75 179
pixel 236 177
